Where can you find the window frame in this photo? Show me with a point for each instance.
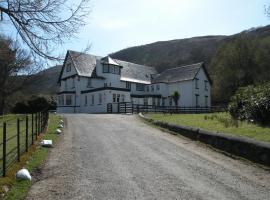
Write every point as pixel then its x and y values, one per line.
pixel 68 100
pixel 206 85
pixel 139 87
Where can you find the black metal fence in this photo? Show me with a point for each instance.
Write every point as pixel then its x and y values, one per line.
pixel 128 107
pixel 18 133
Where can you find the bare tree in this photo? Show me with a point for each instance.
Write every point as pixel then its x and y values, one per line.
pixel 44 25
pixel 15 68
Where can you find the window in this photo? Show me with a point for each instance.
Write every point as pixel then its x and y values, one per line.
pixel 93 99
pixel 158 101
pixel 139 87
pixel 197 100
pixel 196 83
pixel 147 88
pixel 153 101
pixel 122 98
pixel 128 85
pixel 157 87
pixel 73 82
pixel 105 68
pixel 163 101
pixel 100 98
pixel 145 101
pixel 206 101
pixel 105 84
pixel 170 101
pixel 85 100
pixel 116 70
pixel 118 98
pixel 89 82
pixel 206 85
pixel 68 68
pixel 111 69
pixel 152 88
pixel 68 100
pixel 114 98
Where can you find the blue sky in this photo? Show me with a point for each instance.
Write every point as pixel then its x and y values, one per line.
pixel 117 24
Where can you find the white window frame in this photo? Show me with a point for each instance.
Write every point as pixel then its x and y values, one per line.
pixel 68 100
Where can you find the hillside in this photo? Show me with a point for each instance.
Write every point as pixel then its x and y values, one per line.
pixel 45 82
pixel 168 54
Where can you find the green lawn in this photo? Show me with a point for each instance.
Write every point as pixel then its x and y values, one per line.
pixel 11 132
pixel 217 122
pixel 31 161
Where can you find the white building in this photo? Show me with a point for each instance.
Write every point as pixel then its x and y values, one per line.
pixel 89 83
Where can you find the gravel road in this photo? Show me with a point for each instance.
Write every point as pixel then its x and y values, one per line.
pixel 120 157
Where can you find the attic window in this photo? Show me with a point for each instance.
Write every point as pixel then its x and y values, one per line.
pixel 68 68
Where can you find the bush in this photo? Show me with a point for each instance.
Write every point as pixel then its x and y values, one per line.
pixel 35 104
pixel 252 103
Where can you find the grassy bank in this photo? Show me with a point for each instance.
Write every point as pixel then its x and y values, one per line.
pixel 32 161
pixel 217 122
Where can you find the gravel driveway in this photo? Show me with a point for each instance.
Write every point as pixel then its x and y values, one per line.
pixel 119 157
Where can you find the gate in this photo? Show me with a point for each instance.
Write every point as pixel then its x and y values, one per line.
pixel 109 108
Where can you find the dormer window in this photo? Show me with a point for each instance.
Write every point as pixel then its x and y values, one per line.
pixel 110 66
pixel 105 68
pixel 68 67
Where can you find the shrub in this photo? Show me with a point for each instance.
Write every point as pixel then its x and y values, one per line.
pixel 35 104
pixel 252 103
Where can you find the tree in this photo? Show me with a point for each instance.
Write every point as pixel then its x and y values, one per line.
pixel 234 65
pixel 15 65
pixel 43 25
pixel 176 97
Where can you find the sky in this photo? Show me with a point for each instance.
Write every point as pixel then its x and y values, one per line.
pixel 117 24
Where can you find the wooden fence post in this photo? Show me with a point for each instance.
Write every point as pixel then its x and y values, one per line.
pixel 32 120
pixel 26 133
pixel 4 148
pixel 18 140
pixel 36 126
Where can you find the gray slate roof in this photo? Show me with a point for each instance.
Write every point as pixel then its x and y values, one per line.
pixel 136 73
pixel 84 63
pixel 177 74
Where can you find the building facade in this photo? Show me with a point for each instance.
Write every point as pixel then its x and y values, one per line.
pixel 89 83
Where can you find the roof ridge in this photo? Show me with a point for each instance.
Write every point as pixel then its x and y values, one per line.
pixel 184 66
pixel 132 63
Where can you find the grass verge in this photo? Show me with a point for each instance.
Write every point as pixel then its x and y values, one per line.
pixel 217 122
pixel 32 160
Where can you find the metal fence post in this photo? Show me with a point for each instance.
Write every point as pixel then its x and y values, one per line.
pixel 26 133
pixel 32 120
pixel 18 140
pixel 4 148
